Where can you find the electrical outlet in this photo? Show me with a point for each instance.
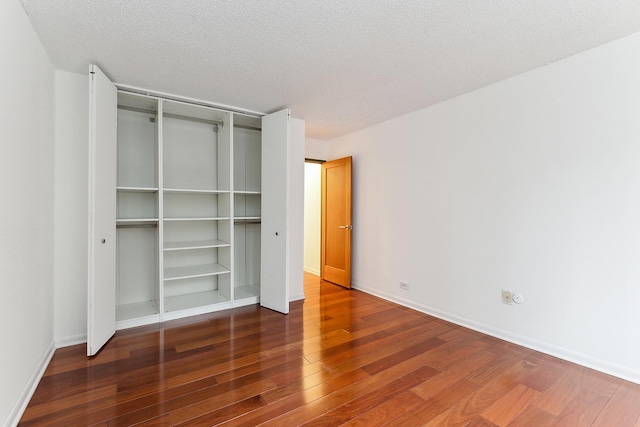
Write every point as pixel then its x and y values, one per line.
pixel 507 297
pixel 404 286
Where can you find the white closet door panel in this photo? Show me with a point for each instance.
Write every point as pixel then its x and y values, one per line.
pixel 296 209
pixel 101 311
pixel 274 285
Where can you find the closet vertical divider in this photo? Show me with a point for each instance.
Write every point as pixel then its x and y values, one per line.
pixel 160 173
pixel 232 227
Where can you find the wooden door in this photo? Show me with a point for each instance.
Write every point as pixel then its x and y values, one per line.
pixel 101 301
pixel 274 278
pixel 335 265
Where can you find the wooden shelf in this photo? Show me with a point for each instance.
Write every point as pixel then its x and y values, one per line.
pixel 195 244
pixel 177 273
pixel 198 299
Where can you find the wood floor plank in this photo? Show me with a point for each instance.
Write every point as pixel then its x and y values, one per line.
pixel 437 405
pixel 387 411
pixel 509 406
pixel 327 403
pixel 222 407
pixel 281 406
pixel 623 409
pixel 161 421
pixel 480 421
pixel 556 397
pixel 340 357
pixel 373 398
pixel 464 410
pixel 407 353
pixel 224 414
pixel 532 416
pixel 458 372
pixel 596 389
pixel 551 370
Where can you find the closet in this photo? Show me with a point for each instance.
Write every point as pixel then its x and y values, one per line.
pixel 177 196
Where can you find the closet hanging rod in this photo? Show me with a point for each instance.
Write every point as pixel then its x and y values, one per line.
pixel 171 97
pixel 247 221
pixel 138 110
pixel 247 127
pixel 195 119
pixel 175 116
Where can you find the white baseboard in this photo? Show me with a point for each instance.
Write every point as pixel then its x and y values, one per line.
pixel 296 297
pixel 71 340
pixel 543 347
pixel 30 388
pixel 312 271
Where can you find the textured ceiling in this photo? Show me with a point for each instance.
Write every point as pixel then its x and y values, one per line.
pixel 340 65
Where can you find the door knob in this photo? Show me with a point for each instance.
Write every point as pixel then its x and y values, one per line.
pixel 348 227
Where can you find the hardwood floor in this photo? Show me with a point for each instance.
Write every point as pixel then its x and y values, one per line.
pixel 339 358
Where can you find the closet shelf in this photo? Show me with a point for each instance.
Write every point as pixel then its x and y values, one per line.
pixel 133 222
pixel 247 193
pixel 195 244
pixel 137 189
pixel 194 300
pixel 176 273
pixel 246 291
pixel 136 310
pixel 198 219
pixel 194 191
pixel 246 218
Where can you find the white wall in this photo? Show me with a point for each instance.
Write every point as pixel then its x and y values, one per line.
pixel 71 171
pixel 315 149
pixel 26 229
pixel 531 184
pixel 312 207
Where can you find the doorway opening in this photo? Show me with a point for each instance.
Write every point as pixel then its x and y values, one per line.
pixel 312 210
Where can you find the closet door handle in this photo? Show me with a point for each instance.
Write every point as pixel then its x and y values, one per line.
pixel 348 227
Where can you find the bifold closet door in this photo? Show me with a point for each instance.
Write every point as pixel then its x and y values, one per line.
pixel 101 310
pixel 274 280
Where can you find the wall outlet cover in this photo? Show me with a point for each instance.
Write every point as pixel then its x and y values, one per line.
pixel 507 297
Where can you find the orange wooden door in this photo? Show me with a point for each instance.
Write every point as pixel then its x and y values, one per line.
pixel 335 264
